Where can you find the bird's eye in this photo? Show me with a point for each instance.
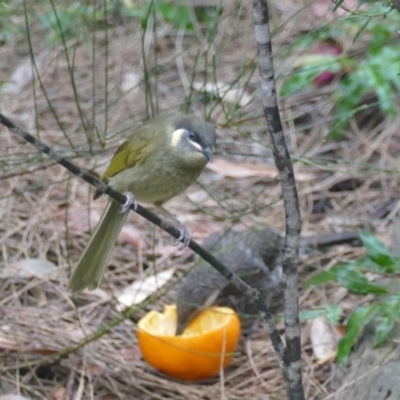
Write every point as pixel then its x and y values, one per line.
pixel 192 135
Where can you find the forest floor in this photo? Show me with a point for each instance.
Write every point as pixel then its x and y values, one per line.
pixel 92 87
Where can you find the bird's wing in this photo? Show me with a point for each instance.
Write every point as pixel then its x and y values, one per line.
pixel 131 152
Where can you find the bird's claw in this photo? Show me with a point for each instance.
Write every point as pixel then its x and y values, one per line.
pixel 130 200
pixel 184 237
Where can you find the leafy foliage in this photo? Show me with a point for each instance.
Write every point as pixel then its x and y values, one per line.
pixel 385 311
pixel 332 312
pixel 356 76
pixel 73 20
pixel 358 319
pixel 10 28
pixel 178 15
pixel 65 23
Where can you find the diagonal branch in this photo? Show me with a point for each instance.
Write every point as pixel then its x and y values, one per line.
pixel 292 352
pixel 156 220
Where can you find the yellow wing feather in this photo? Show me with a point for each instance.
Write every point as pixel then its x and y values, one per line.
pixel 130 153
pixel 135 149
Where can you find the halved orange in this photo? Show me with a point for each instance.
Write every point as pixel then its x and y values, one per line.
pixel 206 345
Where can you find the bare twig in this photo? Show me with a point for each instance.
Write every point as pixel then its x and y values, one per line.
pixel 291 365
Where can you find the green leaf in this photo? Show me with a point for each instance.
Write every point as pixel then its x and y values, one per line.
pixel 383 88
pixel 321 61
pixel 309 66
pixel 358 319
pixel 368 1
pixel 385 325
pixel 298 80
pixel 349 277
pixel 176 15
pixel 377 250
pixel 366 263
pixel 306 315
pixel 337 5
pixel 391 306
pixel 332 312
pixel 322 277
pixel 349 91
pixel 362 29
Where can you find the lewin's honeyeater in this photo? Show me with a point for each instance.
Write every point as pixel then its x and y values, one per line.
pixel 158 161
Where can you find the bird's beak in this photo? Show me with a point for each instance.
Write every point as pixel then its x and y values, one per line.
pixel 208 153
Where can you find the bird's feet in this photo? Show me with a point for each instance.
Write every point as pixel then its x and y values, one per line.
pixel 130 200
pixel 184 237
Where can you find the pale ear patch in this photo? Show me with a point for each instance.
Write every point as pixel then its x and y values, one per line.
pixel 177 136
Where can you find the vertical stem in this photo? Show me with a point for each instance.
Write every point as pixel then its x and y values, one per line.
pixel 292 352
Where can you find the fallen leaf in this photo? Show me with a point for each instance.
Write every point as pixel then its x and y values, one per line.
pixel 341 330
pixel 235 170
pixel 59 393
pixel 324 339
pixel 328 358
pixel 231 169
pixel 140 290
pixel 130 82
pixel 14 397
pixel 31 267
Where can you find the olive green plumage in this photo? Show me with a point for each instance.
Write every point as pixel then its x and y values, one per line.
pixel 158 161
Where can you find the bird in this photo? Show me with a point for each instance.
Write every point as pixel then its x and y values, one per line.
pixel 253 255
pixel 157 161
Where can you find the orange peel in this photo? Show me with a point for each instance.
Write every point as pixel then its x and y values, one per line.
pixel 207 344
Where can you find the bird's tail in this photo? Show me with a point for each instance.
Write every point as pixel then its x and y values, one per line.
pixel 92 264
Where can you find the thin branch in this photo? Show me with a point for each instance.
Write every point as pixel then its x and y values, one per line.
pixel 292 351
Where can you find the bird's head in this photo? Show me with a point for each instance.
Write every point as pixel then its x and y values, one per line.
pixel 194 139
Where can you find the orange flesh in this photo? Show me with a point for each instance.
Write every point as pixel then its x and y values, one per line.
pixel 206 344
